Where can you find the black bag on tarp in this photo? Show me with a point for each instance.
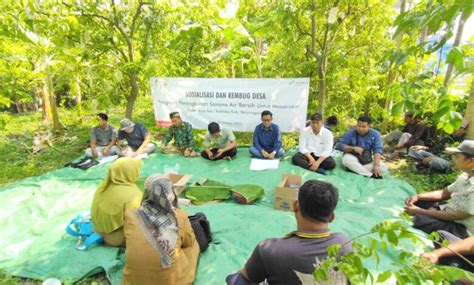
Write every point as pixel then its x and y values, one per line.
pixel 202 230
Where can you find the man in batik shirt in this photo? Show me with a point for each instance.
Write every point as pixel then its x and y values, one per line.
pixel 182 134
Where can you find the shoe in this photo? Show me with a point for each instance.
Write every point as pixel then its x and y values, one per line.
pixel 321 171
pixel 376 176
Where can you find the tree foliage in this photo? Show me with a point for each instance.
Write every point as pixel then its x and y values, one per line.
pixel 362 56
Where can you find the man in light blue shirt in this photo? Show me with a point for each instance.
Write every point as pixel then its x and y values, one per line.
pixel 267 139
pixel 362 147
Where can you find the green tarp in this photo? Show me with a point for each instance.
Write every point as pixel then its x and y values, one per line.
pixel 35 212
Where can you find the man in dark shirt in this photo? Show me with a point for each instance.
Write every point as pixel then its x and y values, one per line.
pixel 413 133
pixel 267 139
pixel 137 137
pixel 277 259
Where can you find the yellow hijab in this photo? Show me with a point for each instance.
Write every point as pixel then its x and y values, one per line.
pixel 117 193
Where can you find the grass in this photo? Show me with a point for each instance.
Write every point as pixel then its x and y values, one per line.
pixel 17 132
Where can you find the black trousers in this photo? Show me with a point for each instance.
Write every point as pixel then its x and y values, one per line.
pixel 429 224
pixel 302 161
pixel 231 153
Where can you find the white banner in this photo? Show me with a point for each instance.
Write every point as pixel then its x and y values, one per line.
pixel 233 103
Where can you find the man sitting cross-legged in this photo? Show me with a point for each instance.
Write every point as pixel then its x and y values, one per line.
pixel 182 134
pixel 315 147
pixel 277 259
pixel 456 216
pixel 267 139
pixel 224 141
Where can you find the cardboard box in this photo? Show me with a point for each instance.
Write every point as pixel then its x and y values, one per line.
pixel 179 181
pixel 286 191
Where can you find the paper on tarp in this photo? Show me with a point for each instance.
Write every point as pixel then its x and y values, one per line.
pixel 264 164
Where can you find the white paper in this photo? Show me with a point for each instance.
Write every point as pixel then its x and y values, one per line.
pixel 264 164
pixel 106 159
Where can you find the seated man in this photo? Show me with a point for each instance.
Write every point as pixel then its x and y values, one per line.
pixel 267 139
pixel 182 134
pixel 315 147
pixel 137 138
pixel 103 138
pixel 224 140
pixel 362 147
pixel 414 133
pixel 277 259
pixel 456 216
pixel 446 255
pixel 331 123
pixel 427 160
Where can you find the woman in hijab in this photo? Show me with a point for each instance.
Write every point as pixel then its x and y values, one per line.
pixel 161 246
pixel 115 195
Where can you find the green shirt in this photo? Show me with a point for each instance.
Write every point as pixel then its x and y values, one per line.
pixel 222 141
pixel 182 135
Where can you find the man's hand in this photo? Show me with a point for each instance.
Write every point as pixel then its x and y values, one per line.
pixel 219 152
pixel 410 201
pixel 412 210
pixel 314 165
pixel 419 147
pixel 358 150
pixel 187 152
pixel 376 170
pixel 95 153
pixel 264 153
pixel 210 155
pixel 431 257
pixel 427 160
pixel 271 155
pixel 398 146
pixel 106 151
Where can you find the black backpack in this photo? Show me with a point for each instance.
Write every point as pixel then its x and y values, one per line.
pixel 202 230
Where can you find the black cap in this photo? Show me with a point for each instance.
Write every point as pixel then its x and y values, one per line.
pixel 213 128
pixel 174 114
pixel 316 117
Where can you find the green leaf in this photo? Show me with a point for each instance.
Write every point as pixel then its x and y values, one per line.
pixel 455 56
pixel 384 276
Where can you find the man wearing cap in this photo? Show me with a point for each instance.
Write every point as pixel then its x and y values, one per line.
pixel 457 215
pixel 315 147
pixel 267 139
pixel 137 138
pixel 413 133
pixel 182 134
pixel 103 138
pixel 223 140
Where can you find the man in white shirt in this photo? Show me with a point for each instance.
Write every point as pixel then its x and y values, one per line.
pixel 315 147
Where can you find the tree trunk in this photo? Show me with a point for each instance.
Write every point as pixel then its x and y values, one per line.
pixel 132 97
pixel 322 84
pixel 457 42
pixel 469 115
pixel 77 89
pixel 47 115
pixel 392 76
pixel 52 101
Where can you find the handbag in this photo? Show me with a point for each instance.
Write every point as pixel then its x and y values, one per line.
pixel 82 228
pixel 365 157
pixel 202 230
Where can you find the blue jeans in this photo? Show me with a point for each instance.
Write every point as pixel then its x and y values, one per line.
pixel 257 154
